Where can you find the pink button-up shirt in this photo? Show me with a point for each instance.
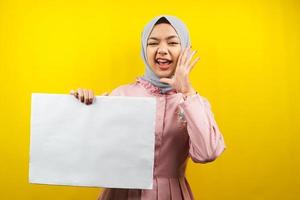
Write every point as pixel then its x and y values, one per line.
pixel 185 127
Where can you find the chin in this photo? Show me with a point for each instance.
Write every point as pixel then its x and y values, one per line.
pixel 164 74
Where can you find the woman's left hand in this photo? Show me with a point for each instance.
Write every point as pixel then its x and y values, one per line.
pixel 180 80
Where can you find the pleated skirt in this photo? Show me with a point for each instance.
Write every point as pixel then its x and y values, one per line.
pixel 163 189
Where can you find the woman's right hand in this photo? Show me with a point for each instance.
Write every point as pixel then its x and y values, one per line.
pixel 85 95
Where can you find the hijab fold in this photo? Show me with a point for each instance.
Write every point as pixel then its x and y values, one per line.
pixel 184 37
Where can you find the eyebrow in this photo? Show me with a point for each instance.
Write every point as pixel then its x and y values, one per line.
pixel 170 37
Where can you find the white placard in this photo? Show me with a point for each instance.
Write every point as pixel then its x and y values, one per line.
pixel 109 143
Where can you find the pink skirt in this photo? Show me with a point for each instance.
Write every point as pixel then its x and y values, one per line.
pixel 163 189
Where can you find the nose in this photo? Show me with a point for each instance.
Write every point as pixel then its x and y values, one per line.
pixel 162 50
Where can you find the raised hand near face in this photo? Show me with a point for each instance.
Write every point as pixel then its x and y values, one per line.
pixel 180 80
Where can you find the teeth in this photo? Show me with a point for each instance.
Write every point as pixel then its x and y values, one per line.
pixel 163 63
pixel 162 60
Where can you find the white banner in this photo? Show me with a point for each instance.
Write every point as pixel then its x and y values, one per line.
pixel 109 143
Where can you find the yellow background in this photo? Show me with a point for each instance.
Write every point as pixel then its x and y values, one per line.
pixel 249 71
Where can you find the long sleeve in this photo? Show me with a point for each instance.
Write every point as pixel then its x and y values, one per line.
pixel 117 91
pixel 206 142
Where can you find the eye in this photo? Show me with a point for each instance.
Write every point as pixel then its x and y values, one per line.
pixel 173 43
pixel 152 43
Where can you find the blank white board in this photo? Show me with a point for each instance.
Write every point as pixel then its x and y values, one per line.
pixel 109 143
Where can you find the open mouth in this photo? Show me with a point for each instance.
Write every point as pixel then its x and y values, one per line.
pixel 163 63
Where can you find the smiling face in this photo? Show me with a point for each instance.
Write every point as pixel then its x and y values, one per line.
pixel 163 50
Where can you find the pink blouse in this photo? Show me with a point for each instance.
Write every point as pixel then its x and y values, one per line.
pixel 184 128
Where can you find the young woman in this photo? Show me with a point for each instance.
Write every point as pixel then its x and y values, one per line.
pixel 185 124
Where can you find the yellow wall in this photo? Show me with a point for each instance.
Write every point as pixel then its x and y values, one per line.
pixel 249 70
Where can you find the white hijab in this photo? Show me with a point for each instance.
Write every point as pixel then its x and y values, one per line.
pixel 184 37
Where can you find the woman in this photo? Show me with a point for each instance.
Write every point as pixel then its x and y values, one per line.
pixel 185 125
